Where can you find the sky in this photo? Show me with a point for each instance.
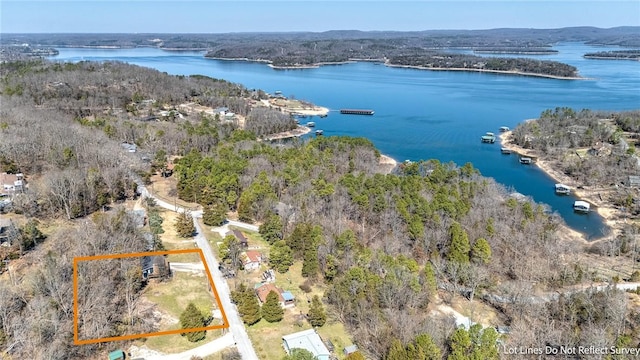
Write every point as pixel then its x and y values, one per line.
pixel 205 16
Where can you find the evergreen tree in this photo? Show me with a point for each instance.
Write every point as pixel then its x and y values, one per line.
pixel 481 251
pixel 184 225
pixel 271 310
pixel 430 283
pixel 396 351
pixel 317 316
pixel 310 264
pixel 355 356
pixel 459 247
pixel 192 318
pixel 460 345
pixel 214 214
pixel 299 354
pixel 250 308
pixel 280 257
pixel 30 235
pixel 429 349
pixel 271 229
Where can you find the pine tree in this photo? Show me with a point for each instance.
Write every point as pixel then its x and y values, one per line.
pixel 281 257
pixel 317 315
pixel 460 345
pixel 271 310
pixel 299 354
pixel 250 308
pixel 184 225
pixel 310 264
pixel 192 318
pixel 271 230
pixel 215 214
pixel 396 351
pixel 481 251
pixel 355 356
pixel 429 349
pixel 459 247
pixel 430 283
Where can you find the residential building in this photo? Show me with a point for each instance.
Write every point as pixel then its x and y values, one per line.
pixel 308 340
pixel 12 183
pixel 285 298
pixel 240 236
pixel 251 260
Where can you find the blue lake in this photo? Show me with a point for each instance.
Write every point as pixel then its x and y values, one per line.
pixel 422 114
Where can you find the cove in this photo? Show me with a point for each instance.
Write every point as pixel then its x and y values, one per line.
pixel 422 114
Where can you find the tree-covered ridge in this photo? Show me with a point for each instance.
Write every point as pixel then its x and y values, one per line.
pixel 382 243
pixel 411 52
pixel 559 131
pixel 459 61
pixel 614 55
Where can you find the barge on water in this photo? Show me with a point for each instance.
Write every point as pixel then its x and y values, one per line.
pixel 356 111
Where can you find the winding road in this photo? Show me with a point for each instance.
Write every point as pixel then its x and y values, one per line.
pixel 236 327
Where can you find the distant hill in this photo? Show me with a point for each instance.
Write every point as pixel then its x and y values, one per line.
pixel 623 36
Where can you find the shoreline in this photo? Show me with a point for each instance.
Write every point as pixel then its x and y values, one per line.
pixel 504 72
pixel 387 164
pixel 352 61
pixel 297 132
pixel 613 217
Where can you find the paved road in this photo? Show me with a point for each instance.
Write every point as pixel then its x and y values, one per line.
pixel 236 327
pixel 207 349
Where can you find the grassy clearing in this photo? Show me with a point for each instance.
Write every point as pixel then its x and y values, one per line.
pixel 171 344
pixel 265 335
pixel 165 188
pixel 173 296
pixel 171 240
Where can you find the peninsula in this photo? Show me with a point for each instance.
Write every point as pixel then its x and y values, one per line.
pixel 592 152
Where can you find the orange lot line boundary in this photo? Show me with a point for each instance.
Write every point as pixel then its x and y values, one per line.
pixel 76 260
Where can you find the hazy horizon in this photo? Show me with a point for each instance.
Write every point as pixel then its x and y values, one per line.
pixel 222 17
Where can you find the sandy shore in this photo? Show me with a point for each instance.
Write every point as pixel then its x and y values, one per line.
pixel 315 111
pixel 387 163
pixel 613 217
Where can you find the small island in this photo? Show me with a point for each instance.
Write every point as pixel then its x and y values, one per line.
pixel 614 55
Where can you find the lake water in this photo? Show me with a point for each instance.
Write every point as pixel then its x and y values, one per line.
pixel 423 114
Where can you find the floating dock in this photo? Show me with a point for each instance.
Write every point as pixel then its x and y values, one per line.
pixel 356 111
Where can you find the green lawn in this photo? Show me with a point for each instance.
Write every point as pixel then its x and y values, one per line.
pixel 171 344
pixel 174 295
pixel 267 337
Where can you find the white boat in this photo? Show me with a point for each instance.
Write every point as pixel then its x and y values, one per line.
pixel 311 124
pixel 563 189
pixel 581 206
pixel 504 128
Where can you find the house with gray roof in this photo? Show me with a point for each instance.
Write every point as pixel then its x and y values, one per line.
pixel 308 340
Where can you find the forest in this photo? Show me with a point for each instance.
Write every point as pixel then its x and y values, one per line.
pixel 387 246
pixel 614 55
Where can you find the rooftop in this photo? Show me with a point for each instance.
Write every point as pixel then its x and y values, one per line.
pixel 308 340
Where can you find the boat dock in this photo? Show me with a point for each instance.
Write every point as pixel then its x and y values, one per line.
pixel 562 189
pixel 488 138
pixel 356 111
